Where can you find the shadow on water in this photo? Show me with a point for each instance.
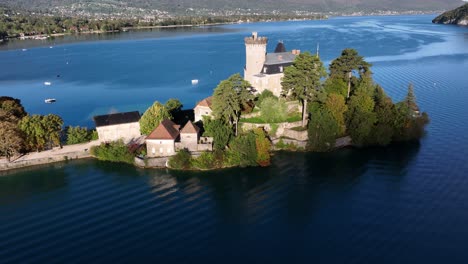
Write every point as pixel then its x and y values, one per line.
pixel 19 184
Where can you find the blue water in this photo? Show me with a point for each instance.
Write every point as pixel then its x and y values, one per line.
pixel 404 204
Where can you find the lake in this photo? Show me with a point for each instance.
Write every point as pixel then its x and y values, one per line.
pixel 407 203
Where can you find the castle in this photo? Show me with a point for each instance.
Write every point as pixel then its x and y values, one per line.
pixel 265 70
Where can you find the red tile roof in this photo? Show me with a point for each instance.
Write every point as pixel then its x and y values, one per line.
pixel 205 102
pixel 166 130
pixel 190 128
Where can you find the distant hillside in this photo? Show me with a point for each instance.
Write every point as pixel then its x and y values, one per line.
pixel 192 7
pixel 457 16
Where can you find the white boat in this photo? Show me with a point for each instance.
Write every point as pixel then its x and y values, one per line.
pixel 194 81
pixel 24 49
pixel 50 100
pixel 47 83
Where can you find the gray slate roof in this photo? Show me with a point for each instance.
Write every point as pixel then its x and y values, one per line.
pixel 116 119
pixel 279 58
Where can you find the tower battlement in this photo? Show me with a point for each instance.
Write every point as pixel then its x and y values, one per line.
pixel 255 39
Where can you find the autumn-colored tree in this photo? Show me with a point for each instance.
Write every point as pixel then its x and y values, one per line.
pixel 263 146
pixel 11 139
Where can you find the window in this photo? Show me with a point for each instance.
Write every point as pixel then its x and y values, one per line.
pixel 161 150
pixel 265 69
pixel 206 112
pixel 281 68
pixel 153 150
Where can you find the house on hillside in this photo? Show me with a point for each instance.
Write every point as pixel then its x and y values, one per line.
pixel 265 70
pixel 168 138
pixel 117 126
pixel 203 108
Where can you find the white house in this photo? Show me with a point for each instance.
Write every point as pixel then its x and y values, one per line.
pixel 203 108
pixel 161 142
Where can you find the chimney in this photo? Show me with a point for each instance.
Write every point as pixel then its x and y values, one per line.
pixel 296 52
pixel 254 35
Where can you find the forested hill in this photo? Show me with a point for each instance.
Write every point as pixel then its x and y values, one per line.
pixel 192 6
pixel 457 16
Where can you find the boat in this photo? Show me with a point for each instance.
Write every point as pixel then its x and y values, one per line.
pixel 50 100
pixel 194 81
pixel 47 83
pixel 24 49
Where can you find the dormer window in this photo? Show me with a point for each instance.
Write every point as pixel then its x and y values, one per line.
pixel 281 68
pixel 265 69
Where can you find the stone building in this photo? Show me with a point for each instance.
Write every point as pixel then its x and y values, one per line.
pixel 161 141
pixel 265 70
pixel 168 138
pixel 203 108
pixel 117 126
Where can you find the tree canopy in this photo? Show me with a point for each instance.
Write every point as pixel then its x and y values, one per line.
pixel 153 117
pixel 229 97
pixel 302 80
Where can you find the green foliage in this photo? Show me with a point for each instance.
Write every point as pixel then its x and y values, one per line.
pixel 323 130
pixel 153 117
pixel 349 61
pixel 291 117
pixel 229 97
pixel 265 94
pixel 336 105
pixel 242 150
pixel 94 134
pixel 286 146
pixel 173 106
pixel 116 151
pixel 360 118
pixel 274 128
pixel 219 130
pixel 263 146
pixel 77 135
pixel 181 160
pixel 205 161
pixel 302 80
pixel 41 130
pixel 273 110
pixel 335 85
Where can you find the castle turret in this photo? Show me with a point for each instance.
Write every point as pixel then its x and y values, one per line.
pixel 255 55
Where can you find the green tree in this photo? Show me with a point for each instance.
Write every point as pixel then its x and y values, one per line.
pixel 360 117
pixel 229 97
pixel 336 105
pixel 302 79
pixel 34 131
pixel 410 100
pixel 115 151
pixel 77 135
pixel 348 62
pixel 219 130
pixel 335 85
pixel 263 95
pixel 11 139
pixel 273 110
pixel 242 150
pixel 153 117
pixel 173 106
pixel 53 127
pixel 323 130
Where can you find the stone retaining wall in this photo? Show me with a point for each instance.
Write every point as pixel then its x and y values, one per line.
pixel 40 161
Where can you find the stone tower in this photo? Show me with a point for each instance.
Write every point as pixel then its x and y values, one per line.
pixel 255 54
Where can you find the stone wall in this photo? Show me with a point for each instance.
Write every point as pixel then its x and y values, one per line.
pixel 46 160
pixel 160 148
pixel 115 132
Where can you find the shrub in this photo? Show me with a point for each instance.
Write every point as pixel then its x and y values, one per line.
pixel 265 94
pixel 77 135
pixel 206 160
pixel 273 110
pixel 242 151
pixel 116 151
pixel 182 160
pixel 263 146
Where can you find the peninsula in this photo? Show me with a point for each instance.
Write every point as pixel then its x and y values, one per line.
pixel 458 16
